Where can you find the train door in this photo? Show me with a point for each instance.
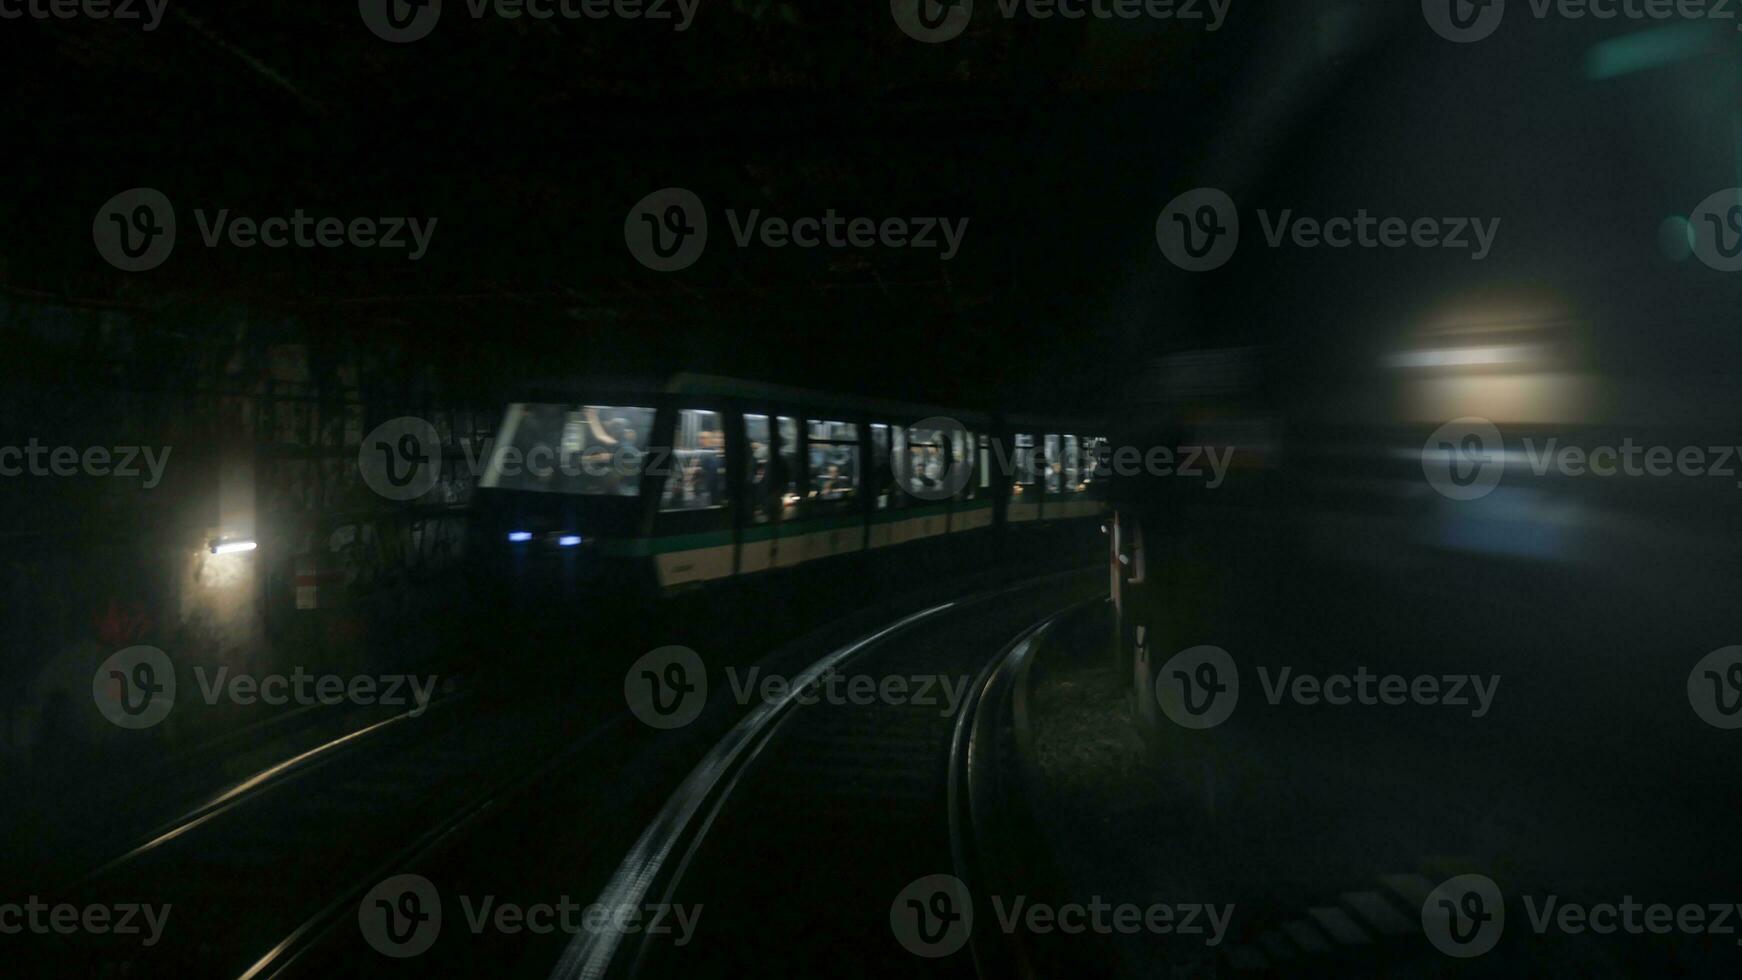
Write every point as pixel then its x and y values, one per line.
pixel 1063 480
pixel 764 492
pixel 926 497
pixel 693 531
pixel 832 520
pixel 1052 479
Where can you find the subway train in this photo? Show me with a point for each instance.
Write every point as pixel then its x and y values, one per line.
pixel 670 487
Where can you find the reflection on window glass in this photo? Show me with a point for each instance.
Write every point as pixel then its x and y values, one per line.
pixel 697 470
pixel 1093 447
pixel 1024 460
pixel 927 459
pixel 595 450
pixel 834 460
pixel 1073 465
pixel 985 465
pixel 758 468
pixel 788 427
pixel 1088 460
pixel 1052 463
pixel 834 431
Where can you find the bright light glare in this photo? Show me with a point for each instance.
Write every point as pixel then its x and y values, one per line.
pixel 569 540
pixel 1462 356
pixel 518 536
pixel 229 547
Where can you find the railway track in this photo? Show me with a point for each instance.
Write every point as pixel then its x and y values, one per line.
pixel 264 879
pixel 246 880
pixel 790 843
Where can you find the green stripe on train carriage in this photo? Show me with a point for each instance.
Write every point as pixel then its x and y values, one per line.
pixel 643 547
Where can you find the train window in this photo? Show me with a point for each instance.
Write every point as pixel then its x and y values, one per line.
pixel 1093 453
pixel 758 467
pixel 787 427
pixel 927 460
pixel 1053 467
pixel 985 465
pixel 1073 465
pixel 834 432
pixel 880 477
pixel 595 450
pixel 1024 442
pixel 834 460
pixel 695 476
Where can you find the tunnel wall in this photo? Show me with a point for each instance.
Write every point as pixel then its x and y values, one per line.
pixel 240 423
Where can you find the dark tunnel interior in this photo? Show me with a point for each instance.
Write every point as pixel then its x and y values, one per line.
pixel 944 488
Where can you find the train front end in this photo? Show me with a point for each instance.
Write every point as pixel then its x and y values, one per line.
pixel 563 502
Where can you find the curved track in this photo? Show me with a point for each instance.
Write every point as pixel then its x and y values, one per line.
pixel 790 844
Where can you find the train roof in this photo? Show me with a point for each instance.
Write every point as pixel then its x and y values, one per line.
pixel 690 383
pixel 709 384
pixel 713 385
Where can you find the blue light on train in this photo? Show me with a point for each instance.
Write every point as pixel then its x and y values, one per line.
pixel 568 540
pixel 519 536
